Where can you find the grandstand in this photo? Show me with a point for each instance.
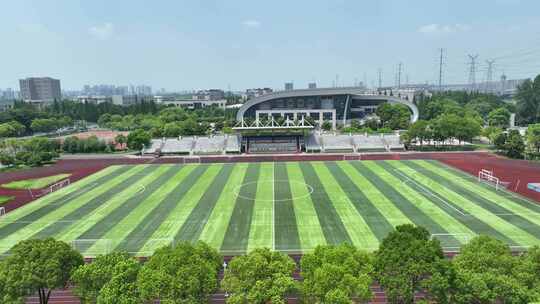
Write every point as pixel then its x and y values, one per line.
pixel 182 145
pixel 209 145
pixel 312 142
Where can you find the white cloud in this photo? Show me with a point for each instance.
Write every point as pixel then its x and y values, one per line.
pixel 103 31
pixel 435 29
pixel 251 23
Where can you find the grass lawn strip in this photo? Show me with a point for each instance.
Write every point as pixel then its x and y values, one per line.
pixel 131 233
pixel 172 224
pixel 372 216
pixel 112 211
pixel 35 183
pixel 192 228
pixel 531 211
pixel 75 189
pixel 262 220
pixel 380 178
pixel 96 203
pixel 214 231
pixel 332 226
pixel 5 199
pixel 520 220
pixel 310 233
pixel 474 224
pixel 51 218
pixel 428 207
pixel 357 228
pixel 237 235
pixel 514 233
pixel 112 219
pixel 393 215
pixel 285 226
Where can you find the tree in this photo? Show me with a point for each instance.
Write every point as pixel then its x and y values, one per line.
pixel 90 278
pixel 172 129
pixel 122 287
pixel 260 277
pixel 120 139
pixel 514 145
pixel 528 101
pixel 37 266
pixel 44 125
pixel 485 271
pixel 138 139
pixel 499 117
pixel 405 258
pixel 394 116
pixel 335 274
pixel 533 137
pixel 326 125
pixel 419 130
pixel 185 273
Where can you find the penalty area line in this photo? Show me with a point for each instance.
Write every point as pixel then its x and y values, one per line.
pixel 430 193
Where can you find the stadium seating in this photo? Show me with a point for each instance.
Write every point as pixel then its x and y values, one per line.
pixel 209 145
pixel 284 144
pixel 337 143
pixel 313 143
pixel 393 143
pixel 232 144
pixel 183 145
pixel 155 147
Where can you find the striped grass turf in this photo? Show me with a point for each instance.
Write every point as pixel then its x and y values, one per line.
pixel 287 206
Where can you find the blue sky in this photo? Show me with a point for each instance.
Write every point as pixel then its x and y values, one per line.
pixel 195 44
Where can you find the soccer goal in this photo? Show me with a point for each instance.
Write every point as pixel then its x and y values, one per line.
pixel 54 187
pixel 485 175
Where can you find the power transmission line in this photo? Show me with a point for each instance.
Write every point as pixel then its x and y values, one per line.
pixel 380 77
pixel 489 77
pixel 441 69
pixel 472 71
pixel 400 66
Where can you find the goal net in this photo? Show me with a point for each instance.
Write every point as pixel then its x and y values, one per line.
pixel 487 176
pixel 54 187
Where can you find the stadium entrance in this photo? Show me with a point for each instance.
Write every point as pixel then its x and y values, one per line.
pixel 273 136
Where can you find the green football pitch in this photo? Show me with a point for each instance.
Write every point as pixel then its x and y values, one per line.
pixel 291 207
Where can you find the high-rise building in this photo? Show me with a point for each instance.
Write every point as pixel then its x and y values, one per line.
pixel 289 86
pixel 40 89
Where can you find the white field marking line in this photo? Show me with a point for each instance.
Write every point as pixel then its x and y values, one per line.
pixel 431 193
pixel 236 190
pixel 141 189
pixel 73 195
pixel 465 175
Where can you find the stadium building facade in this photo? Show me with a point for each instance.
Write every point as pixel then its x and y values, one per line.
pixel 337 105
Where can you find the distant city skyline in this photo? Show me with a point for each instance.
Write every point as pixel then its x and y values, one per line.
pixel 190 45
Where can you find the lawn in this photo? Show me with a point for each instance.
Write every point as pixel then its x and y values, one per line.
pixel 291 207
pixel 35 183
pixel 5 199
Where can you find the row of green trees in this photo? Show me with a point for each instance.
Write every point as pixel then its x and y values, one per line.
pixel 171 122
pixel 407 262
pixel 33 151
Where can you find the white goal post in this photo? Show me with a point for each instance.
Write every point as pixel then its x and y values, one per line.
pixel 487 175
pixel 54 187
pixel 61 184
